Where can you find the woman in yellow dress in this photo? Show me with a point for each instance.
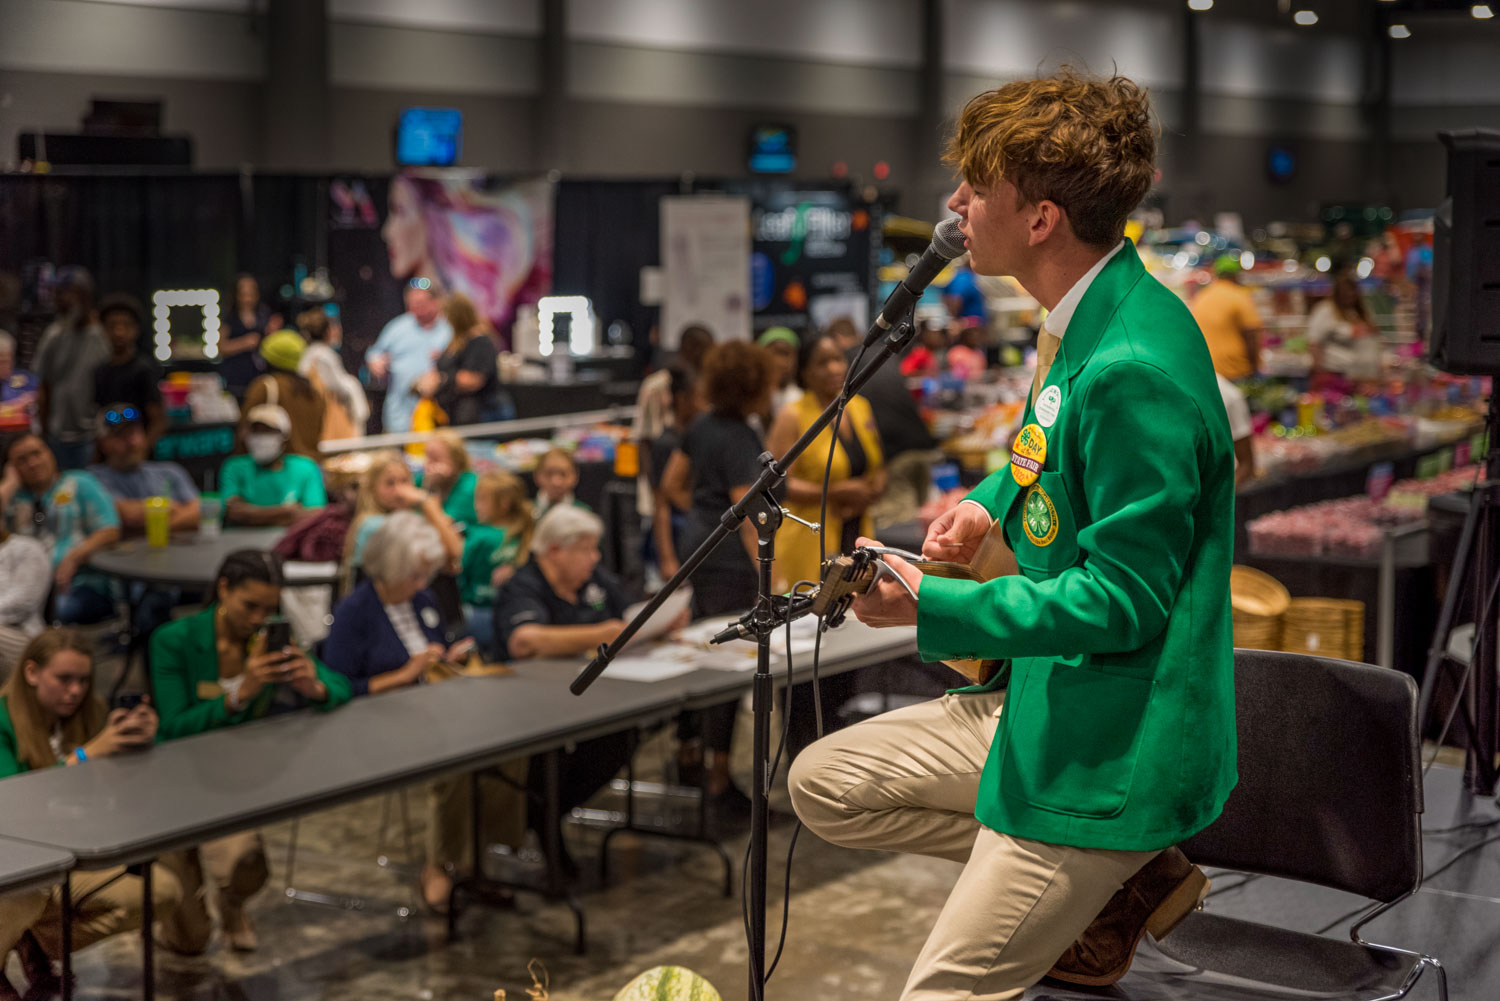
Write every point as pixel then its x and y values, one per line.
pixel 858 476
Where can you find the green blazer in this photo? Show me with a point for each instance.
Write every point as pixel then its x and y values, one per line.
pixel 10 760
pixel 185 681
pixel 1118 729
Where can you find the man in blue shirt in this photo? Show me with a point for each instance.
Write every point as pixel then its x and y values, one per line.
pixel 407 349
pixel 963 297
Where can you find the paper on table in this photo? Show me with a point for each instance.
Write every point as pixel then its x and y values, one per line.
pixel 656 664
pixel 656 626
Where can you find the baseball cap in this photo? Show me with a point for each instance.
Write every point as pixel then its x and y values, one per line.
pixel 778 334
pixel 1226 265
pixel 271 416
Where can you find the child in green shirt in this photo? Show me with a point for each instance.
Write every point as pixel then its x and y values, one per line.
pixel 497 543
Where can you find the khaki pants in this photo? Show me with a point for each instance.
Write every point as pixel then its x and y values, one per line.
pixel 236 866
pixel 105 903
pixel 908 781
pixel 450 812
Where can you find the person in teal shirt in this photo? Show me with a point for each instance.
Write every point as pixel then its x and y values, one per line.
pixel 447 476
pixel 73 516
pixel 269 486
pixel 497 543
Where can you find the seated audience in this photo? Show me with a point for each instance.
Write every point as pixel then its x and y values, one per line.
pixel 282 386
pixel 556 478
pixel 562 604
pixel 131 480
pixel 50 716
pixel 25 579
pixel 17 389
pixel 446 474
pixel 72 515
pixel 388 631
pixel 128 375
pixel 494 546
pixel 209 671
pixel 966 358
pixel 268 486
pixel 386 635
pixel 930 354
pixel 346 410
pixel 387 487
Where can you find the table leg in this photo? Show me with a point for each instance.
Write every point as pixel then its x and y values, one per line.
pixel 148 936
pixel 557 886
pixel 67 936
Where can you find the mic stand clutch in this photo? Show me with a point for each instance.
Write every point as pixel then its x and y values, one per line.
pixel 761 506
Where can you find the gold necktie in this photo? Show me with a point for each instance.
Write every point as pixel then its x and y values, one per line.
pixel 1046 353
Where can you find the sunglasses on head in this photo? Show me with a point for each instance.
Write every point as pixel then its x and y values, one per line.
pixel 424 284
pixel 121 416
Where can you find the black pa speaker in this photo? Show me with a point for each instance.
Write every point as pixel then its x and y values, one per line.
pixel 1466 257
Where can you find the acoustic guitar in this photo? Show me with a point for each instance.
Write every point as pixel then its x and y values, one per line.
pixel 850 575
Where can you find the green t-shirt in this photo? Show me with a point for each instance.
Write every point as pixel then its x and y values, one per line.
pixel 297 481
pixel 459 504
pixel 486 547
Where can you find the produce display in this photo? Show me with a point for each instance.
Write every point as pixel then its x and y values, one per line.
pixel 1350 527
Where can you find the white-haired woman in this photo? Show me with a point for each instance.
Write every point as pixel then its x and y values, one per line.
pixel 388 631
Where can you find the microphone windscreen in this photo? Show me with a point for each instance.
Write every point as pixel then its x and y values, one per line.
pixel 948 238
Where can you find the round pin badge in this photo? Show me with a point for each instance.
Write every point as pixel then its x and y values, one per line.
pixel 1039 517
pixel 1028 454
pixel 1047 406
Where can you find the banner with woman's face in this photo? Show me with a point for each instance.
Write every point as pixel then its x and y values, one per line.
pixel 468 233
pixel 462 230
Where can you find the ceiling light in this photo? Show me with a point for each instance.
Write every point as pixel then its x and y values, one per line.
pixel 1200 4
pixel 1306 18
pixel 1481 11
pixel 1399 31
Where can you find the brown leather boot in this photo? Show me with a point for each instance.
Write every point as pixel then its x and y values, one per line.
pixel 1165 890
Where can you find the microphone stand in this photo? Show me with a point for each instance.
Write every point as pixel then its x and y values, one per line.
pixel 770 611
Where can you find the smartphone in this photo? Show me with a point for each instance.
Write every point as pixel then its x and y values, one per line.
pixel 127 700
pixel 278 635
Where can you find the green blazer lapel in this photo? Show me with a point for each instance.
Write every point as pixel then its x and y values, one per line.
pixel 1099 304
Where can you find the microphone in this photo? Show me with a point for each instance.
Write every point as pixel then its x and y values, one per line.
pixel 947 243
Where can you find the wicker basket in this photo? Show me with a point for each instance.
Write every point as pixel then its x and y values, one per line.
pixel 1259 603
pixel 1327 627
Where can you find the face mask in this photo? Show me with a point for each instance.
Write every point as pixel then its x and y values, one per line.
pixel 264 448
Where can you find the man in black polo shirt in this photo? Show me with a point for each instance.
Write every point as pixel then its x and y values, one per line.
pixel 561 603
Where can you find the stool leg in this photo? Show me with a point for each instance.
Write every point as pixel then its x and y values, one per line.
pixel 148 936
pixel 67 936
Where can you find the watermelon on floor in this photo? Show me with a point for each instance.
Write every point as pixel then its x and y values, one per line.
pixel 668 983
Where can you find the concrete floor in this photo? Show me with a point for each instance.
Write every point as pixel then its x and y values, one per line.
pixel 857 919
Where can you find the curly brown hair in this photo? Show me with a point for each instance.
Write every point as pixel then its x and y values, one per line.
pixel 1087 144
pixel 734 378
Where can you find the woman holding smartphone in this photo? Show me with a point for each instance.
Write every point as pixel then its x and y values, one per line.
pixel 49 716
pixel 222 667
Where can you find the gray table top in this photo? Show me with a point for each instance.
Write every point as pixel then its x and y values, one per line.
pixel 24 866
pixel 191 561
pixel 132 808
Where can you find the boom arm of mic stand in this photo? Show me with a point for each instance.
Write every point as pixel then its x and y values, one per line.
pixel 772 475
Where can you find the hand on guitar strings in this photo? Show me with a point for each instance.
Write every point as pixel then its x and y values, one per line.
pixel 888 603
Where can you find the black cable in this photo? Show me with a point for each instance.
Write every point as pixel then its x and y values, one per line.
pixel 1428 876
pixel 1477 825
pixel 786 898
pixel 1248 878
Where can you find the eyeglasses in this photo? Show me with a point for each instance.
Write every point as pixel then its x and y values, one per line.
pixel 121 417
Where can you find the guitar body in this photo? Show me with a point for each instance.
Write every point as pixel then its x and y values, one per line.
pixel 847 576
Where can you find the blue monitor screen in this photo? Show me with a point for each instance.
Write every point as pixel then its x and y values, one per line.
pixel 773 149
pixel 429 137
